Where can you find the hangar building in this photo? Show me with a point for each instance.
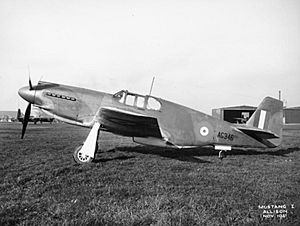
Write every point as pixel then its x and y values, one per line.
pixel 237 114
pixel 240 114
pixel 292 115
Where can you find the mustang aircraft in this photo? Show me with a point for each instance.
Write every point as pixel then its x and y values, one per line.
pixel 150 120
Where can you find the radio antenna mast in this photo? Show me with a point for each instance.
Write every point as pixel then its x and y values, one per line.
pixel 151 85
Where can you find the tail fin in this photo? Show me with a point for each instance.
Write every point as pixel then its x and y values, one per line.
pixel 19 115
pixel 269 117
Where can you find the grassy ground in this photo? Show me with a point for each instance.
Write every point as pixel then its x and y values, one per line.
pixel 137 185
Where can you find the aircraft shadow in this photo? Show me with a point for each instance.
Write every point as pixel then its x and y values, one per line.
pixel 191 155
pixel 185 155
pixel 99 159
pixel 283 152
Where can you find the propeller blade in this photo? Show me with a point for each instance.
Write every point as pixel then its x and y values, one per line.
pixel 30 84
pixel 26 119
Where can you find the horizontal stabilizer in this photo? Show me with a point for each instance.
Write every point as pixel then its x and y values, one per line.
pixel 255 132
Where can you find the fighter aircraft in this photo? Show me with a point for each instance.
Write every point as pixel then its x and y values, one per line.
pixel 150 120
pixel 36 116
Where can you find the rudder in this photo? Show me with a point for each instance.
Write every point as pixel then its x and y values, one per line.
pixel 269 116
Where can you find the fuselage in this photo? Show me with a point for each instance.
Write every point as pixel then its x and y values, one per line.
pixel 181 125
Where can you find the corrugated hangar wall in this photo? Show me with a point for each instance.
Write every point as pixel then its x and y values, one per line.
pixel 292 115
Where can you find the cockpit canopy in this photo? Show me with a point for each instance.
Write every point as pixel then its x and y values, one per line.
pixel 137 100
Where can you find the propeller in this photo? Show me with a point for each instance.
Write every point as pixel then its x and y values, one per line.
pixel 30 84
pixel 27 113
pixel 26 119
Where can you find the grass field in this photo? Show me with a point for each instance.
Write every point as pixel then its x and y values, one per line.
pixel 129 184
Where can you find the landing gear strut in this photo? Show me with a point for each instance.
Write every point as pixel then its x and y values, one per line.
pixel 85 153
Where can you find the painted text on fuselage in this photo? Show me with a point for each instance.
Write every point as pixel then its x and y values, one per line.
pixel 226 136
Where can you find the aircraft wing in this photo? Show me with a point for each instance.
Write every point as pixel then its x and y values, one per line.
pixel 257 133
pixel 128 123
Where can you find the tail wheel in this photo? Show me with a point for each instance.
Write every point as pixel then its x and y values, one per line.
pixel 222 154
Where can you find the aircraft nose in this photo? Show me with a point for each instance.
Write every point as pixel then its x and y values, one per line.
pixel 27 94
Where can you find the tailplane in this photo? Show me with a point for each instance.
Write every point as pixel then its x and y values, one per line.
pixel 268 117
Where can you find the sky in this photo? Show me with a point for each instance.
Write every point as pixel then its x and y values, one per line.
pixel 204 54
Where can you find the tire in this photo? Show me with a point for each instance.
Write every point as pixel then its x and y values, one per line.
pixel 81 158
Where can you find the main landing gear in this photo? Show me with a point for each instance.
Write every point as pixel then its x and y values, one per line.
pixel 85 153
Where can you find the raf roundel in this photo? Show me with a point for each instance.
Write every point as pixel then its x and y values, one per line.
pixel 204 131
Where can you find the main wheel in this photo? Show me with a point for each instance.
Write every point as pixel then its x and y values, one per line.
pixel 80 157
